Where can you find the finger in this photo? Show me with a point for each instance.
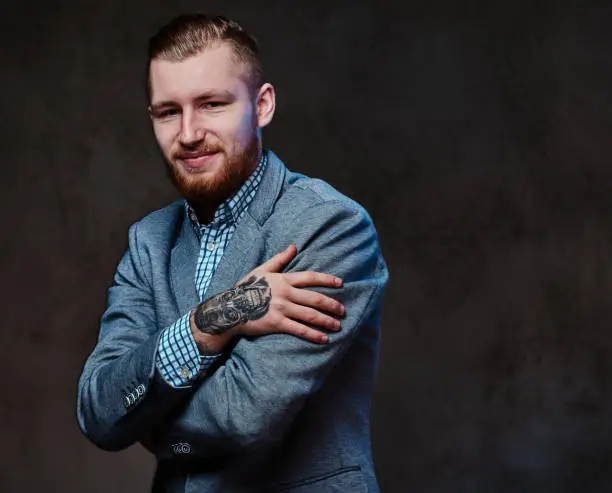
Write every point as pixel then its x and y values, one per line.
pixel 316 300
pixel 280 260
pixel 303 332
pixel 311 316
pixel 311 278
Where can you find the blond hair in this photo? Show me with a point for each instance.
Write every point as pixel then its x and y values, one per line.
pixel 189 34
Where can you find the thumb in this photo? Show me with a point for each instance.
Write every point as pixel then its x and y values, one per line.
pixel 280 260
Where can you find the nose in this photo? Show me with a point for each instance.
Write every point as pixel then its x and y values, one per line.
pixel 191 130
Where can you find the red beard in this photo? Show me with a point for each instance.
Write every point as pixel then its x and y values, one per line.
pixel 207 191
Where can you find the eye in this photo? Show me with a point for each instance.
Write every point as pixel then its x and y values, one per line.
pixel 211 105
pixel 168 113
pixel 231 314
pixel 165 113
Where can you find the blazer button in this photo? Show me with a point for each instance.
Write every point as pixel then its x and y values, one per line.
pixel 181 449
pixel 128 400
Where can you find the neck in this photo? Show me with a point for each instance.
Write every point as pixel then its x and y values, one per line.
pixel 205 212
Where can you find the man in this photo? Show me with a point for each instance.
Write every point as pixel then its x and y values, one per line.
pixel 239 367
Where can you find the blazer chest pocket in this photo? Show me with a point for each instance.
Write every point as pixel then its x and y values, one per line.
pixel 345 480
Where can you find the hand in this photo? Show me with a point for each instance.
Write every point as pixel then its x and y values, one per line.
pixel 267 301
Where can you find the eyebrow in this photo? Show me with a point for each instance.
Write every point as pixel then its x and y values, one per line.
pixel 205 96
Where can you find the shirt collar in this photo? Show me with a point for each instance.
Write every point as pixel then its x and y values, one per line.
pixel 233 208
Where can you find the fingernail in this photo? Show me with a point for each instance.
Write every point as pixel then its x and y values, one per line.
pixel 338 282
pixel 337 325
pixel 323 338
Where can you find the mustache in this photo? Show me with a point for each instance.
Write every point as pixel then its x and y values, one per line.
pixel 185 153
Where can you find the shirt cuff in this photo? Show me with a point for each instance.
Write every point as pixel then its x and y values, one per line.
pixel 178 360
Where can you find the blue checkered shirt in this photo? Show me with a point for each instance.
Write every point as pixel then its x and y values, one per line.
pixel 178 359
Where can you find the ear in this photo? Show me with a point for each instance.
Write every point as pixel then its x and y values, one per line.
pixel 266 103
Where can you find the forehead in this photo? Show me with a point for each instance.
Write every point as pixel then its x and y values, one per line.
pixel 214 68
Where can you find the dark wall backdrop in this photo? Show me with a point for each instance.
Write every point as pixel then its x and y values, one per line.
pixel 478 135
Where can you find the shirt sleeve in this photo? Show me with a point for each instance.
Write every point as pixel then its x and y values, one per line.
pixel 178 360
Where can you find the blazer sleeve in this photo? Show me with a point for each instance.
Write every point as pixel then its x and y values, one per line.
pixel 120 395
pixel 255 395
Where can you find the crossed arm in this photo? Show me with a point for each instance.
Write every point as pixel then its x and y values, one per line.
pixel 256 393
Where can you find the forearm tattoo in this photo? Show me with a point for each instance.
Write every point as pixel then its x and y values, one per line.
pixel 249 300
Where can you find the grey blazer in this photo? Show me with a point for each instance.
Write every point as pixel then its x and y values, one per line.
pixel 277 413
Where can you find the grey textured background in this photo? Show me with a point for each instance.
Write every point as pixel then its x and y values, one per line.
pixel 478 135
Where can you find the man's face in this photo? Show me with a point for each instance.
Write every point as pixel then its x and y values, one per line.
pixel 206 121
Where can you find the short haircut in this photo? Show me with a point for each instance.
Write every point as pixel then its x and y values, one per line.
pixel 189 34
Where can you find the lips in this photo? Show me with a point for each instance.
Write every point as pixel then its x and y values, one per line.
pixel 196 162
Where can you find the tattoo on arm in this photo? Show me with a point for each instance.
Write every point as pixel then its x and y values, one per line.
pixel 246 301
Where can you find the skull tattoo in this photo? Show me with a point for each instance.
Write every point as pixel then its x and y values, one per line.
pixel 246 301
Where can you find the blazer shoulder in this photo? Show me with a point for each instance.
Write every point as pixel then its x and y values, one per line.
pixel 312 212
pixel 304 192
pixel 328 228
pixel 161 223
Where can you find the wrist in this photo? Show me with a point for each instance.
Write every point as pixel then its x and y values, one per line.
pixel 209 344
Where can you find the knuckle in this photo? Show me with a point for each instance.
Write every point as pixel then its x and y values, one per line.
pixel 283 290
pixel 279 307
pixel 275 319
pixel 277 288
pixel 296 329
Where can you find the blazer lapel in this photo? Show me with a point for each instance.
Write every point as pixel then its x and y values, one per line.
pixel 246 249
pixel 242 252
pixel 183 260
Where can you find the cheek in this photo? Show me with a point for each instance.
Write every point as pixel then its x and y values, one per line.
pixel 235 125
pixel 241 130
pixel 165 135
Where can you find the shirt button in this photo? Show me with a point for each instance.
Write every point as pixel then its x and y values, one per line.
pixel 184 372
pixel 211 246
